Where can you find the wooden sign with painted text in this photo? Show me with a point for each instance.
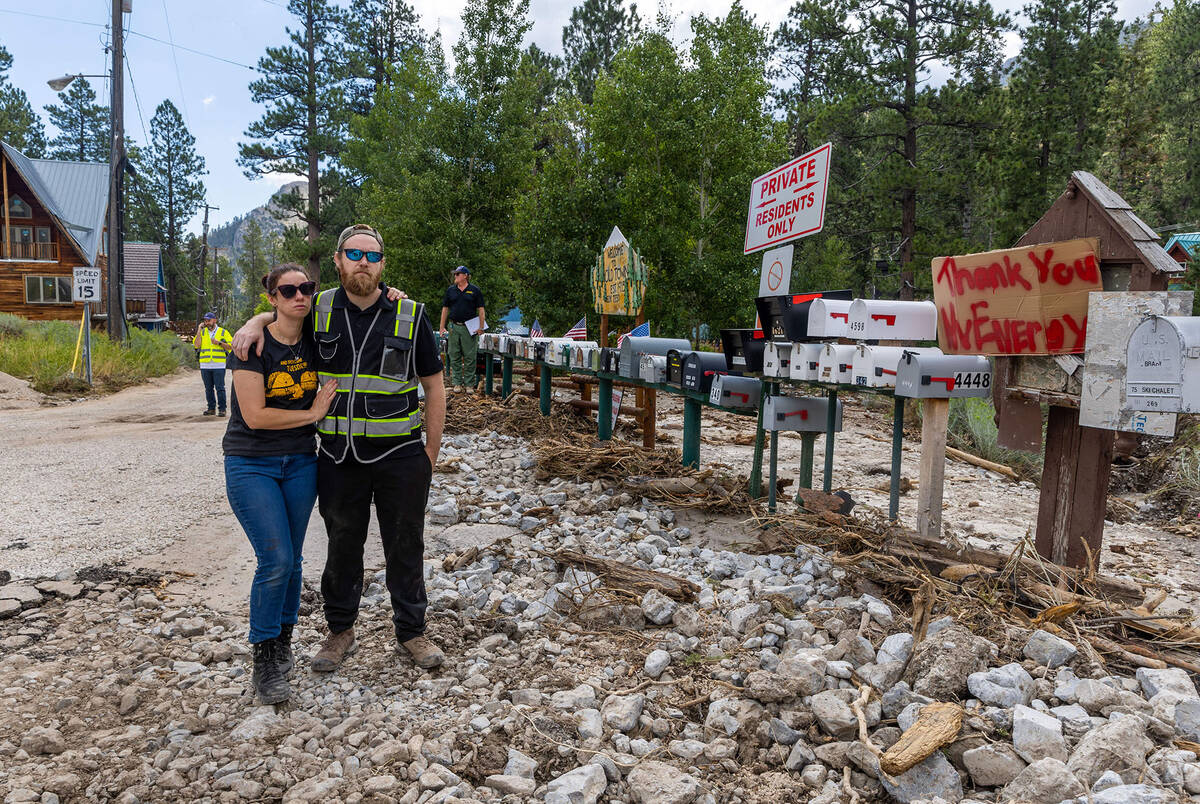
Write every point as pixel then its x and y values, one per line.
pixel 619 278
pixel 1019 301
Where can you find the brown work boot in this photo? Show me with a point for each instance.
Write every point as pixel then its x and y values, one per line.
pixel 334 649
pixel 425 654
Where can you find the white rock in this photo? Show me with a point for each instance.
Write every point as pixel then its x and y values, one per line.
pixel 659 783
pixel 932 777
pixel 896 648
pixel 1134 794
pixel 657 607
pixel 621 712
pixel 505 785
pixel 1046 781
pixel 1172 678
pixel 589 723
pixel 1037 735
pixel 1049 650
pixel 1004 686
pixel 992 765
pixel 656 662
pixel 584 785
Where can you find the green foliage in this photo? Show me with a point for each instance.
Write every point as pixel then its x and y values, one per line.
pixel 448 156
pixel 42 351
pixel 598 30
pixel 166 193
pixel 258 255
pixel 303 129
pixel 83 125
pixel 378 35
pixel 12 326
pixel 972 428
pixel 20 125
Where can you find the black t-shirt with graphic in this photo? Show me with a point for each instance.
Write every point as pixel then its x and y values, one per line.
pixel 290 381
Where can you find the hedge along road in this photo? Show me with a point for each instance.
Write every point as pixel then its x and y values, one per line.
pixel 134 477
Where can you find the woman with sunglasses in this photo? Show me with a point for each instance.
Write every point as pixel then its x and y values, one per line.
pixel 271 468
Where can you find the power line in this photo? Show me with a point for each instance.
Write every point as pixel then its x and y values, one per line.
pixel 175 59
pixel 131 33
pixel 136 100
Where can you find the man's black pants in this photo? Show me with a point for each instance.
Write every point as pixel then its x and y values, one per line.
pixel 399 488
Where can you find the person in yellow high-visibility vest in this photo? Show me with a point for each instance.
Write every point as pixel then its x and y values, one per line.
pixel 212 343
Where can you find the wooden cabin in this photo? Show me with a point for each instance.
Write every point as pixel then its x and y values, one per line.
pixel 1184 248
pixel 54 216
pixel 145 289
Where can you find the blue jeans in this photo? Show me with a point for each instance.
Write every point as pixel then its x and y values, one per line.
pixel 272 496
pixel 214 380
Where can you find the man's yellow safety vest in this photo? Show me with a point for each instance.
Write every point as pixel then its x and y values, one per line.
pixel 211 353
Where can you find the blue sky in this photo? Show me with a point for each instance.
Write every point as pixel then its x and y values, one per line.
pixel 53 37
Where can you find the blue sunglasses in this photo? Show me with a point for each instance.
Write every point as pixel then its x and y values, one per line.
pixel 356 254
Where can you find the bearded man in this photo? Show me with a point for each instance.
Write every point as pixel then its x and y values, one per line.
pixel 371 451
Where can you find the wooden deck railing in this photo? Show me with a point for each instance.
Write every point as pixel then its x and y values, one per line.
pixel 33 252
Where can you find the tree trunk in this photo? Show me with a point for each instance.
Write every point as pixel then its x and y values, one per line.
pixel 908 195
pixel 314 176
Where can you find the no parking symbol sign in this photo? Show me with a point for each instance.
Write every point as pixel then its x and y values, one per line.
pixel 776 276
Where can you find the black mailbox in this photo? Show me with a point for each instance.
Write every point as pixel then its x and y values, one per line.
pixel 610 359
pixel 785 318
pixel 699 369
pixel 743 352
pixel 675 366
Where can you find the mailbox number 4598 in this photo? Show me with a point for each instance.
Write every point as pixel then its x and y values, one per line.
pixel 973 379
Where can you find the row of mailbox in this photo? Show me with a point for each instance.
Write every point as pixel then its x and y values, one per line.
pixel 914 372
pixel 828 314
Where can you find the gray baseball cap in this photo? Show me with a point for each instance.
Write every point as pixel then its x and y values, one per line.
pixel 357 229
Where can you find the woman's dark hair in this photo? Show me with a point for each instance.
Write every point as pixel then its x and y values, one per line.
pixel 272 278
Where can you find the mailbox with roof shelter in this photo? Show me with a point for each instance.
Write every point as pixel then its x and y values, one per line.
pixel 1077 460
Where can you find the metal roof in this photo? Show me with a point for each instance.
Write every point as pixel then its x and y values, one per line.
pixel 143 269
pixel 74 193
pixel 1189 242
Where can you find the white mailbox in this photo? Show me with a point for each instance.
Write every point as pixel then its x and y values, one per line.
pixel 558 351
pixel 806 360
pixel 732 391
pixel 943 376
pixel 829 318
pixel 885 319
pixel 802 414
pixel 777 358
pixel 876 366
pixel 1162 371
pixel 653 368
pixel 836 363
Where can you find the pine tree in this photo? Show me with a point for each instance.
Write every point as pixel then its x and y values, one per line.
pixel 84 128
pixel 20 125
pixel 171 189
pixel 254 261
pixel 303 130
pixel 591 40
pixel 379 33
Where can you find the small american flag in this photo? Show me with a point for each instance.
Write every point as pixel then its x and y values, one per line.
pixel 640 331
pixel 579 331
pixel 536 330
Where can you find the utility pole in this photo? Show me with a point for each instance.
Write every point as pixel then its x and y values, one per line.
pixel 203 263
pixel 116 157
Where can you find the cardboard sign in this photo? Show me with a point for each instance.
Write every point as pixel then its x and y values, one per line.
pixel 619 278
pixel 1018 301
pixel 789 201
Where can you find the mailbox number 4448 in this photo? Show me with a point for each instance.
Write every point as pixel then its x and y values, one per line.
pixel 973 379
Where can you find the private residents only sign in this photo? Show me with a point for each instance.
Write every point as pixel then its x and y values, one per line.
pixel 1031 300
pixel 789 201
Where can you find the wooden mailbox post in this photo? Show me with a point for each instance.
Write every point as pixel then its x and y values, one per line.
pixel 1077 460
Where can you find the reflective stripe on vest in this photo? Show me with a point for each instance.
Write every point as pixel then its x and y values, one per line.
pixel 368 383
pixel 371 428
pixel 210 353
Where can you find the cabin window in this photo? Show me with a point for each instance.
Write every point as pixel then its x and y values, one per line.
pixel 48 290
pixel 17 208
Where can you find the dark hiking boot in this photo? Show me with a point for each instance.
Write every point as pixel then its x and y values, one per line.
pixel 334 649
pixel 283 649
pixel 269 683
pixel 424 653
pixel 210 412
pixel 221 414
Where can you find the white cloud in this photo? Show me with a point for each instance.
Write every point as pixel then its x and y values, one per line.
pixel 209 100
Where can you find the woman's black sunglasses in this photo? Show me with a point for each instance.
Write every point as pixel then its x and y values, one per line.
pixel 288 291
pixel 356 254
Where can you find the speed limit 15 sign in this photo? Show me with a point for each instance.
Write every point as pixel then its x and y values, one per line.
pixel 87 285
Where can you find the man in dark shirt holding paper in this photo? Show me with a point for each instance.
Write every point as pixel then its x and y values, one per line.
pixel 462 304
